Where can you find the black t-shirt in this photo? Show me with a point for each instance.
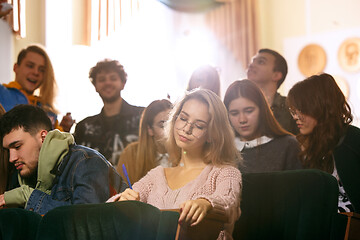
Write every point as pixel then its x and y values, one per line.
pixel 110 135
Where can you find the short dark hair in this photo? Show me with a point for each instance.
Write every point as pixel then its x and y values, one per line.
pixel 280 64
pixel 30 118
pixel 107 65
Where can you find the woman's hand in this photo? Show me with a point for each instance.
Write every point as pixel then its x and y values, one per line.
pixel 114 198
pixel 128 194
pixel 2 200
pixel 193 211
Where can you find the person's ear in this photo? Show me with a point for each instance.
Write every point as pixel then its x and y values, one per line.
pixel 122 85
pixel 15 67
pixel 43 134
pixel 96 88
pixel 150 131
pixel 277 76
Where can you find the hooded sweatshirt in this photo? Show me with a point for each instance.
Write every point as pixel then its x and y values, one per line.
pixel 53 150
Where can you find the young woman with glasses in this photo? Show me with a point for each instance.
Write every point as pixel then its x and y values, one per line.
pixel 328 141
pixel 263 143
pixel 201 145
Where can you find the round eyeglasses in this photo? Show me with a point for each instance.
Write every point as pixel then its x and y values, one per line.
pixel 197 128
pixel 296 114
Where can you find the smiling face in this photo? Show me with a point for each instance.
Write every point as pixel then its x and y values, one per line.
pixel 24 150
pixel 244 117
pixel 261 69
pixel 109 86
pixel 190 128
pixel 30 72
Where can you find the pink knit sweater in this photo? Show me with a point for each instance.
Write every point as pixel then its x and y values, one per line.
pixel 221 186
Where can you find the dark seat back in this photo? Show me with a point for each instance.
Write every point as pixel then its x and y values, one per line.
pixel 18 224
pixel 299 204
pixel 119 220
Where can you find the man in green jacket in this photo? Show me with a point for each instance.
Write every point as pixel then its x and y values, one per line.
pixel 52 170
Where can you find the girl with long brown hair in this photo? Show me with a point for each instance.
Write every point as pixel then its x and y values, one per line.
pixel 4 163
pixel 149 152
pixel 328 141
pixel 205 77
pixel 8 174
pixel 263 143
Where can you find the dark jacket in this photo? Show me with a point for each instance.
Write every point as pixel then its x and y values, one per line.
pixel 282 114
pixel 347 161
pixel 66 174
pixel 110 135
pixel 84 176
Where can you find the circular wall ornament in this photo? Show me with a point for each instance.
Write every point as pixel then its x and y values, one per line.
pixel 349 55
pixel 343 85
pixel 312 60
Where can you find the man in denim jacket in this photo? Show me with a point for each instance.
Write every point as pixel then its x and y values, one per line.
pixel 52 170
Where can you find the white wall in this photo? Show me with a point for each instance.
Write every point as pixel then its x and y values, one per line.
pixel 330 42
pixel 11 44
pixel 157 67
pixel 159 49
pixel 5 52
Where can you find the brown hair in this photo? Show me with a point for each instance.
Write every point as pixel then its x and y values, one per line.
pixel 221 149
pixel 5 167
pixel 320 97
pixel 107 65
pixel 143 153
pixel 206 77
pixel 268 126
pixel 48 87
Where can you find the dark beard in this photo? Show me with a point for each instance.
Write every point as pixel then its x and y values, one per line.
pixel 110 99
pixel 31 179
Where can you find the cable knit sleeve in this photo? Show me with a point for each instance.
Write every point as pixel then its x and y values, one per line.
pixel 226 197
pixel 145 185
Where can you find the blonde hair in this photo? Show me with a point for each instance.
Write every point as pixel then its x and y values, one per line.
pixel 220 150
pixel 47 89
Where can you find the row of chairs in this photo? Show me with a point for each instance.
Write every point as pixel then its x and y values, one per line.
pixel 299 204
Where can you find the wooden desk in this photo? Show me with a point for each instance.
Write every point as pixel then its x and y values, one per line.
pixel 353 226
pixel 208 228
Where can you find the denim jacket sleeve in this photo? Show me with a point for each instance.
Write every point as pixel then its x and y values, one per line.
pixel 85 179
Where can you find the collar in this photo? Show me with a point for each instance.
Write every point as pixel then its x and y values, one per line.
pixel 162 159
pixel 31 98
pixel 277 101
pixel 241 145
pixel 160 156
pixel 123 109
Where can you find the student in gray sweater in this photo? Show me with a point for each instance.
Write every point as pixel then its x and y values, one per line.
pixel 263 143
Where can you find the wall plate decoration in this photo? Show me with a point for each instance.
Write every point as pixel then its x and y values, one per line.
pixel 312 60
pixel 349 54
pixel 343 85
